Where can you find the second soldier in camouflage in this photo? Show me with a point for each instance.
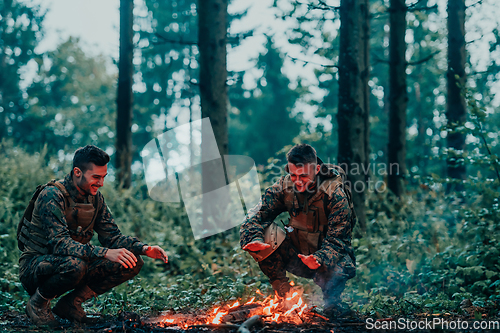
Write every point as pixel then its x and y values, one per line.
pixel 318 240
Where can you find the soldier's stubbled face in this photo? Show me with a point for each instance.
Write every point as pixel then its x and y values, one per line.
pixel 88 183
pixel 303 175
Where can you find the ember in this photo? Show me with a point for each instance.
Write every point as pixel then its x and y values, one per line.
pixel 288 310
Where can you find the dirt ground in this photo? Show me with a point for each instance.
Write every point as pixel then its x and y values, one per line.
pixel 126 322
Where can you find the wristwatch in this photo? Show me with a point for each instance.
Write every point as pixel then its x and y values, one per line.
pixel 144 249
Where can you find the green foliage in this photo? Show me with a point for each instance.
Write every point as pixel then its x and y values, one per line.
pixel 261 120
pixel 425 252
pixel 20 32
pixel 72 101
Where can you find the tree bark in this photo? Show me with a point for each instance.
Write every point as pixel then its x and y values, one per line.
pixel 212 40
pixel 398 97
pixel 123 159
pixel 365 75
pixel 353 111
pixel 456 107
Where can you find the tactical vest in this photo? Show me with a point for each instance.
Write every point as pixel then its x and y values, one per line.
pixel 80 218
pixel 309 222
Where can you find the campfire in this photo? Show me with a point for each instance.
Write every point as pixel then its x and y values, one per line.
pixel 291 309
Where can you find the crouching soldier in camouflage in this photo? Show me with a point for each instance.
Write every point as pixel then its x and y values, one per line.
pixel 317 243
pixel 54 237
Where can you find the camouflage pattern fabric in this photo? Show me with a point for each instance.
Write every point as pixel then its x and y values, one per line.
pixel 335 254
pixel 285 259
pixel 66 252
pixel 337 241
pixel 55 275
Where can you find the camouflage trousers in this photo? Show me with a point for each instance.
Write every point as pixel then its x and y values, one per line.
pixel 331 280
pixel 55 275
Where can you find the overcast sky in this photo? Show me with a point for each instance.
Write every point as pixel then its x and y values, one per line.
pixel 96 22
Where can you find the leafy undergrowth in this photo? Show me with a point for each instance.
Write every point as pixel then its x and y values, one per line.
pixel 429 252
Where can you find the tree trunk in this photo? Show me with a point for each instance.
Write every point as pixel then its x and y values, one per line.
pixel 398 97
pixel 123 159
pixel 365 75
pixel 212 40
pixel 352 110
pixel 212 16
pixel 455 108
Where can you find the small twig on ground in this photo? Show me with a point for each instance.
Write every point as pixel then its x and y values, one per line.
pixel 245 327
pixel 232 326
pixel 318 315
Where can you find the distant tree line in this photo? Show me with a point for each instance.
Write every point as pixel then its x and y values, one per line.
pixel 389 90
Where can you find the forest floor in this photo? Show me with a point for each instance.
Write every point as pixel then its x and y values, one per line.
pixel 125 322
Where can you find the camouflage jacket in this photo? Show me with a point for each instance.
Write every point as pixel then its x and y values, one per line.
pixel 337 241
pixel 51 205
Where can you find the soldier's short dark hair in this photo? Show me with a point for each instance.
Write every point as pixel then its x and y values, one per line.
pixel 301 154
pixel 89 154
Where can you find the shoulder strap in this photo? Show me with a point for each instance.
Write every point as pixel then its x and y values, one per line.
pixel 340 181
pixel 60 186
pixel 28 212
pixel 288 193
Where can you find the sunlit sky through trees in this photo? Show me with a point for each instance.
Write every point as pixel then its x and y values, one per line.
pixel 96 22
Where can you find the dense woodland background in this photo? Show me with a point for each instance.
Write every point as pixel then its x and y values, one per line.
pixel 412 83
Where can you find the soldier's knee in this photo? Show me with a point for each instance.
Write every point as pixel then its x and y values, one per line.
pixel 131 272
pixel 74 268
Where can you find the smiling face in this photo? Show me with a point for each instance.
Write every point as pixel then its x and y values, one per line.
pixel 303 175
pixel 88 183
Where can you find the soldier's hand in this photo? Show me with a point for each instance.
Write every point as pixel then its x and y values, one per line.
pixel 256 246
pixel 122 256
pixel 156 252
pixel 309 261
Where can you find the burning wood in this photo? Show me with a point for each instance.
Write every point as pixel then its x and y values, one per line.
pixel 292 309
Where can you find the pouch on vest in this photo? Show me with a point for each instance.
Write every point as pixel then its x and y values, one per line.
pixel 307 230
pixel 80 219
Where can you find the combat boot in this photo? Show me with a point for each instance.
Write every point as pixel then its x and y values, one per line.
pixel 38 310
pixel 338 310
pixel 70 306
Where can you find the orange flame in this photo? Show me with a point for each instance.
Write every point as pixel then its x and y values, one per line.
pixel 271 308
pixel 302 310
pixel 218 317
pixel 293 296
pixel 250 301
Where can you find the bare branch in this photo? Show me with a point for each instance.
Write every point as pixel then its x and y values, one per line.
pixel 410 8
pixel 311 62
pixel 237 38
pixel 166 40
pixel 421 9
pixel 414 7
pixel 479 2
pixel 473 40
pixel 425 59
pixel 322 5
pixel 231 39
pixel 377 59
